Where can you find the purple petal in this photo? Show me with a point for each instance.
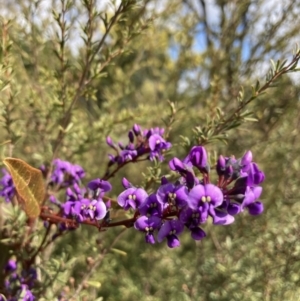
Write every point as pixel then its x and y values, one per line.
pixel 173 241
pixel 164 180
pixel 151 206
pixel 197 233
pixel 221 166
pixel 126 184
pixel 220 217
pixel 246 160
pixel 256 208
pixel 176 165
pixel 141 223
pixel 144 222
pixel 99 184
pixel 149 238
pixel 257 190
pixel 110 142
pixel 195 196
pixel 198 157
pixel 170 227
pixel 234 208
pixel 182 195
pixel 164 231
pixel 249 197
pixel 155 140
pixel 122 198
pixel 215 194
pixel 136 129
pixel 141 196
pixel 190 179
pixel 11 266
pixel 100 211
pixel 67 207
pixel 130 203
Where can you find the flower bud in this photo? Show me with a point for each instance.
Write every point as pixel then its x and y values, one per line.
pixel 198 157
pixel 221 166
pixel 131 136
pixel 110 142
pixel 126 184
pixel 136 129
pixel 246 160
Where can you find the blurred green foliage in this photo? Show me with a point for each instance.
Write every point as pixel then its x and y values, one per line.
pixel 60 97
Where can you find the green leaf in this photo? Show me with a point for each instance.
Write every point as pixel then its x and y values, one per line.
pixel 95 284
pixel 29 184
pixel 118 251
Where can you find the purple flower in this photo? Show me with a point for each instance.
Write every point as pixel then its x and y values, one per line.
pixel 208 197
pixel 250 200
pixel 75 194
pixel 229 167
pixel 151 206
pixel 170 229
pixel 172 195
pixel 26 294
pixel 76 209
pixel 78 173
pixel 69 209
pixel 198 157
pixel 65 173
pixel 99 187
pixel 185 169
pixel 202 195
pixel 11 266
pixel 97 209
pixel 148 225
pixel 140 143
pixel 8 189
pixel 82 209
pixel 127 155
pixel 132 198
pixel 193 217
pixel 157 144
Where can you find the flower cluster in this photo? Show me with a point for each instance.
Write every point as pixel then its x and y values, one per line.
pixel 140 142
pixel 189 201
pixel 18 286
pixel 66 174
pixel 86 204
pixel 185 204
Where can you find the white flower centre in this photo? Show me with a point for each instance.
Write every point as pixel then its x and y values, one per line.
pixel 205 199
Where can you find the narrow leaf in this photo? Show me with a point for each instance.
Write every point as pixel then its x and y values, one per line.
pixel 29 184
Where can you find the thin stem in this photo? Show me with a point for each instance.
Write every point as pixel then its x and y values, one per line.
pixel 83 80
pixel 112 174
pixel 40 248
pixel 275 76
pixel 96 264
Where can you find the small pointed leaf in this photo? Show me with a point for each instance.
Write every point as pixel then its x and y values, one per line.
pixel 29 184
